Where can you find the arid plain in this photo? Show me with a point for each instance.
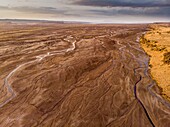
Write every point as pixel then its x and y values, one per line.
pixel 77 75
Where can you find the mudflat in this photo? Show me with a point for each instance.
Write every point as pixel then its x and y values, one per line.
pixel 76 75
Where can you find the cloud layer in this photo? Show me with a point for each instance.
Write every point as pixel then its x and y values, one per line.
pixel 116 11
pixel 125 3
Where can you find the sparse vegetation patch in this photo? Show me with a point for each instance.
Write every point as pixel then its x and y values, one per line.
pixel 156 43
pixel 166 58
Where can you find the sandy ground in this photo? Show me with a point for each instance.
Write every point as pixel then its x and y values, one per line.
pixel 157 44
pixel 71 75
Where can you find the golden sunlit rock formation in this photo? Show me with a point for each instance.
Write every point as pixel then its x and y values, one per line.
pixel 156 43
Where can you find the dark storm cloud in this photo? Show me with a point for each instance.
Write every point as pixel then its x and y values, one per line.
pixel 125 3
pixel 157 11
pixel 154 8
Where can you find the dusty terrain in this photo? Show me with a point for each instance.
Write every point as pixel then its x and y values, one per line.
pixel 156 43
pixel 54 75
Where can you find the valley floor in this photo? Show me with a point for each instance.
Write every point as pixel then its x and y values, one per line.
pixel 75 75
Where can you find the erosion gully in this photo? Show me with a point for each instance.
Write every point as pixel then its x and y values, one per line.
pixel 143 64
pixel 140 62
pixel 38 59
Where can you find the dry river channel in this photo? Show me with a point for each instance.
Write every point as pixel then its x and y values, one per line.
pixel 77 75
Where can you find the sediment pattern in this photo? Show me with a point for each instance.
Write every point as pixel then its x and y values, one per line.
pixel 55 75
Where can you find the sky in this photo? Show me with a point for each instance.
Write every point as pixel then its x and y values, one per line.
pixel 96 11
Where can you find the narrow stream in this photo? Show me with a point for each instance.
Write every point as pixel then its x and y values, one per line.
pixel 140 62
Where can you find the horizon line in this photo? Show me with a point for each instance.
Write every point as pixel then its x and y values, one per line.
pixel 78 21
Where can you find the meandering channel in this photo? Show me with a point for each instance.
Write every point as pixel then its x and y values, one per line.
pixel 39 58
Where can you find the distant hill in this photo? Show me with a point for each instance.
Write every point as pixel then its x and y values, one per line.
pixel 40 21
